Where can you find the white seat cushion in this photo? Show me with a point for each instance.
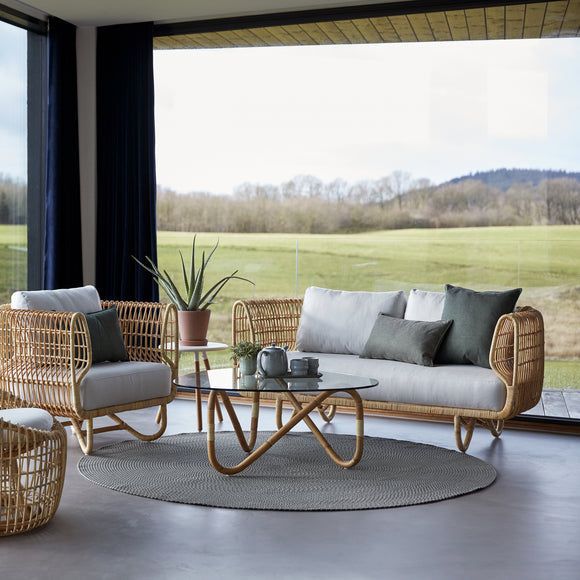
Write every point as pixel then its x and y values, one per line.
pixel 85 300
pixel 108 384
pixel 425 306
pixel 33 418
pixel 341 322
pixel 464 386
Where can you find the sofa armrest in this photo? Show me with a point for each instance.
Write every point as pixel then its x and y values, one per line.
pixel 149 330
pixel 43 358
pixel 517 356
pixel 267 320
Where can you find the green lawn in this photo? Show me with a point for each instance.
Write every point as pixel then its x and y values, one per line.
pixel 545 261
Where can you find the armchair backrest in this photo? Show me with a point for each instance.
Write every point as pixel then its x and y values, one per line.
pixel 85 300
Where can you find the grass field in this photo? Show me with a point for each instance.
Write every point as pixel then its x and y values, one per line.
pixel 545 261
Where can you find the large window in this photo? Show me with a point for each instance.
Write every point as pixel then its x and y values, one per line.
pixel 13 159
pixel 381 167
pixel 22 95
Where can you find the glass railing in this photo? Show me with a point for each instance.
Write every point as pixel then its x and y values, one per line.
pixel 543 261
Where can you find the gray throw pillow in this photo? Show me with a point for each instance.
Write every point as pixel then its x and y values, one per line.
pixel 106 337
pixel 474 315
pixel 410 341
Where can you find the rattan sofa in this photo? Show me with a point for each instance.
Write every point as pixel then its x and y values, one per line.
pixel 46 362
pixel 516 358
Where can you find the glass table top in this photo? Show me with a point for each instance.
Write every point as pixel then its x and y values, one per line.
pixel 230 380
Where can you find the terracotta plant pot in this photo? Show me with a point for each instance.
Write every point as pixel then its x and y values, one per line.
pixel 193 326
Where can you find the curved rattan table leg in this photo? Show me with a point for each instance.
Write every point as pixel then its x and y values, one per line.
pixel 256 453
pixel 346 463
pixel 300 414
pixel 327 412
pixel 247 445
pixel 279 408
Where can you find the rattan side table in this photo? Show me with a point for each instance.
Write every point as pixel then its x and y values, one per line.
pixel 201 352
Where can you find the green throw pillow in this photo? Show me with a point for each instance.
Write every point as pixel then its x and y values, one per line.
pixel 106 337
pixel 474 315
pixel 410 341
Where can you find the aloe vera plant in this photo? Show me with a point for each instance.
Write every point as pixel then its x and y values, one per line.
pixel 195 297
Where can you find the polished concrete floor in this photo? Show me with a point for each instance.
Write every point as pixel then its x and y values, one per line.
pixel 527 525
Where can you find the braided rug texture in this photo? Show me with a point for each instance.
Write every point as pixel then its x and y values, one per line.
pixel 294 475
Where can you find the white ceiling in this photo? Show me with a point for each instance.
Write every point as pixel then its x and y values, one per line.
pixel 103 12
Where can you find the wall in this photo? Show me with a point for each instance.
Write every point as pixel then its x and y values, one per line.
pixel 86 72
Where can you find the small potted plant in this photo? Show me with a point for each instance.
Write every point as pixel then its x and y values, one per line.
pixel 193 303
pixel 246 353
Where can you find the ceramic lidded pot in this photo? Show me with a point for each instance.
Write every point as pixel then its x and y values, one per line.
pixel 272 361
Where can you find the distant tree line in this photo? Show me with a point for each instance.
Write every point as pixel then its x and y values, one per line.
pixel 12 201
pixel 306 204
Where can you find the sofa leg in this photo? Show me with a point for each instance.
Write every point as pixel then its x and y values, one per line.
pixel 463 441
pixel 85 439
pixel 327 412
pixel 495 427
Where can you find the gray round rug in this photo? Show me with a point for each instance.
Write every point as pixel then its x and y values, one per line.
pixel 295 474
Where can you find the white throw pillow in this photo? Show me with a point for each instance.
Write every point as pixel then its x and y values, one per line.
pixel 85 300
pixel 425 306
pixel 340 322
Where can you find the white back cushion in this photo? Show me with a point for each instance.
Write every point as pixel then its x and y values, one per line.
pixel 425 306
pixel 340 322
pixel 85 299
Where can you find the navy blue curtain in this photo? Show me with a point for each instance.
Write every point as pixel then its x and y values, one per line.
pixel 63 266
pixel 126 182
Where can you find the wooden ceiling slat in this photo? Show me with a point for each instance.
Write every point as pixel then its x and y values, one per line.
pixel 266 36
pixel 249 38
pixel 421 27
pixel 534 18
pixel 571 23
pixel 353 34
pixel 282 36
pixel 403 28
pixel 333 32
pixel 514 21
pixel 439 25
pixel 457 24
pixel 299 34
pixel 235 38
pixel 316 33
pixel 495 21
pixel 385 29
pixel 368 30
pixel 555 12
pixel 476 27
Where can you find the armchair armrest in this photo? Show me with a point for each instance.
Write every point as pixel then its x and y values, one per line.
pixel 517 356
pixel 43 358
pixel 150 331
pixel 267 320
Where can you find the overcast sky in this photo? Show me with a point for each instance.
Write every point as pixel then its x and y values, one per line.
pixel 437 110
pixel 12 101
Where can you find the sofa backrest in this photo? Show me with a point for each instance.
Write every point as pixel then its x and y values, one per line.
pixel 340 322
pixel 85 300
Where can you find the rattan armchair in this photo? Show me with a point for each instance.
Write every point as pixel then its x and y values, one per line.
pixel 517 358
pixel 45 356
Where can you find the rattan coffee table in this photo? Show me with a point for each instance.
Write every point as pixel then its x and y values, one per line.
pixel 226 382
